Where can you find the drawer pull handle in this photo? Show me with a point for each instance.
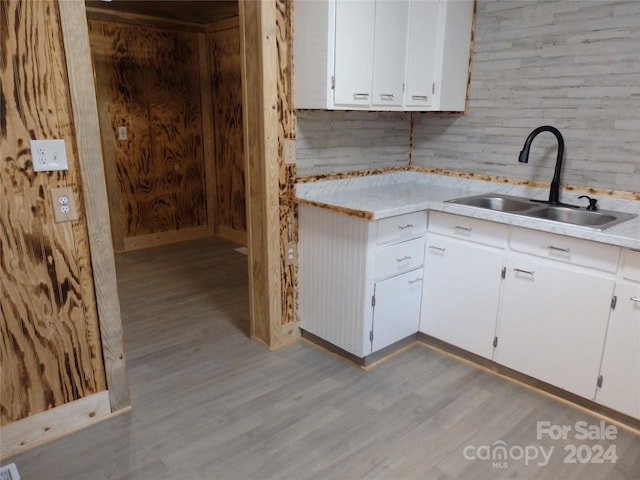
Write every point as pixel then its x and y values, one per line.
pixel 440 249
pixel 406 257
pixel 404 227
pixel 526 272
pixel 559 249
pixel 387 96
pixel 416 280
pixel 466 229
pixel 635 299
pixel 420 97
pixel 360 96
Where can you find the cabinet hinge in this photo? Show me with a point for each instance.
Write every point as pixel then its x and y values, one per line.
pixel 599 382
pixel 614 302
pixel 371 336
pixel 504 272
pixel 495 342
pixel 373 301
pixel 333 82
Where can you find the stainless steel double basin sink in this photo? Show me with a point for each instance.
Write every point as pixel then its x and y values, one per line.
pixel 596 219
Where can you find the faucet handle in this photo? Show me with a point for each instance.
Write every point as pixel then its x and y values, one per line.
pixel 592 202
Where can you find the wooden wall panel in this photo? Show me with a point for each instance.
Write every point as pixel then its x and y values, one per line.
pixel 226 88
pixel 50 352
pixel 150 83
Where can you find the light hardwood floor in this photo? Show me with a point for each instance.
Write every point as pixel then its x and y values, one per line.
pixel 209 403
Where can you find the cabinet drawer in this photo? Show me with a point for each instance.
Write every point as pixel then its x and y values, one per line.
pixel 466 228
pixel 401 228
pixel 631 265
pixel 399 258
pixel 566 249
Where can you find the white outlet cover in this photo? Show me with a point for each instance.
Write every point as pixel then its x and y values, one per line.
pixel 48 155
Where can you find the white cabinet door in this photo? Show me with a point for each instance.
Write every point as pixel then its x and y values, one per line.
pixel 552 323
pixel 422 52
pixel 461 293
pixel 355 22
pixel 396 313
pixel 620 369
pixel 389 57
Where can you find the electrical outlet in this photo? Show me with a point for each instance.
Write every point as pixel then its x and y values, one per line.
pixel 48 155
pixel 122 133
pixel 64 205
pixel 291 253
pixel 289 153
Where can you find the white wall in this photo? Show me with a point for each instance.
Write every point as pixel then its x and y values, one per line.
pixel 571 64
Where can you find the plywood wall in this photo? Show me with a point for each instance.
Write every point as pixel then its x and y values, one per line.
pixel 287 172
pixel 148 80
pixel 226 90
pixel 50 351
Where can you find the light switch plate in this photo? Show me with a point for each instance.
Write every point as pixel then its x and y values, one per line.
pixel 63 205
pixel 48 155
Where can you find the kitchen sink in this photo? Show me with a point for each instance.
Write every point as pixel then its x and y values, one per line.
pixel 597 219
pixel 495 201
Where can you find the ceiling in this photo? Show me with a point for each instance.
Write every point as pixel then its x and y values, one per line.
pixel 201 12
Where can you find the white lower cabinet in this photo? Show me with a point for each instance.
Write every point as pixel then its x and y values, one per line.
pixel 552 323
pixel 562 310
pixel 396 311
pixel 619 381
pixel 461 292
pixel 360 280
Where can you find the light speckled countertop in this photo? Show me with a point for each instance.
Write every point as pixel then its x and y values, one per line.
pixel 389 194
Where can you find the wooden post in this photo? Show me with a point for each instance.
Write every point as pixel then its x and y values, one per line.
pixel 73 20
pixel 260 118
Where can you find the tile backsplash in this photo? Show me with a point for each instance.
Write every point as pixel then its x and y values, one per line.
pixel 571 64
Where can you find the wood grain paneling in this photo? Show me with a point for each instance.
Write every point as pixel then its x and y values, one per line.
pixel 151 86
pixel 226 88
pixel 51 351
pixel 287 175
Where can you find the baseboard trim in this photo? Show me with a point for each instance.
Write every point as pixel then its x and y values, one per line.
pixel 29 432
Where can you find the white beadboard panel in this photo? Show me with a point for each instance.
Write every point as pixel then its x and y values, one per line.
pixel 574 65
pixel 333 267
pixel 342 141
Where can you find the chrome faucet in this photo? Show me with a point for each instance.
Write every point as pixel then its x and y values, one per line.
pixel 554 189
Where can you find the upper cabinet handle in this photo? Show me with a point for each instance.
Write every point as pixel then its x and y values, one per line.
pixel 404 227
pixel 466 229
pixel 419 97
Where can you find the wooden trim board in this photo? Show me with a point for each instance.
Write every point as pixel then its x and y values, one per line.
pixel 75 32
pixel 260 127
pixel 164 238
pixel 43 427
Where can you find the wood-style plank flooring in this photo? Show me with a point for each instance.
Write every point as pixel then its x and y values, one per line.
pixel 209 403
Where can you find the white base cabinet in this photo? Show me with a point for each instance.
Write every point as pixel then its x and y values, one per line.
pixel 552 324
pixel 562 310
pixel 463 271
pixel 619 381
pixel 360 280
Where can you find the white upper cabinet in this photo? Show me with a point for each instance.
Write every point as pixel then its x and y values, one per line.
pixel 421 62
pixel 382 54
pixel 353 64
pixel 388 62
